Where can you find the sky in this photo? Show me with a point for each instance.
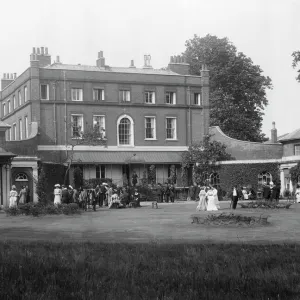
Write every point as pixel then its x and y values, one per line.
pixel 267 31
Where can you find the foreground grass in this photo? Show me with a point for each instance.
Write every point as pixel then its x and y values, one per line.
pixel 148 271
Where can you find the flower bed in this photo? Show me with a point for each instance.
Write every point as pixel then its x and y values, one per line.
pixel 39 209
pixel 223 219
pixel 265 205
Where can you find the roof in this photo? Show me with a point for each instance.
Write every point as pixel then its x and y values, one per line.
pixel 4 153
pixel 294 135
pixel 107 69
pixel 113 157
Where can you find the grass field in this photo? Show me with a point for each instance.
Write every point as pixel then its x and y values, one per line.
pixel 170 223
pixel 148 254
pixel 148 271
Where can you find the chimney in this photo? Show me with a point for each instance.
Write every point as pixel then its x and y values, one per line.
pixel 132 64
pixel 178 65
pixel 273 133
pixel 41 55
pixel 58 60
pixel 204 74
pixel 101 60
pixel 147 62
pixel 7 79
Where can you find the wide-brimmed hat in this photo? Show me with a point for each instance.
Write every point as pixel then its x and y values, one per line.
pixel 70 187
pixel 14 187
pixel 57 185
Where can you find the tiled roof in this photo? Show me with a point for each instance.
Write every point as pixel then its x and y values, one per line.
pixel 59 66
pixel 114 157
pixel 294 135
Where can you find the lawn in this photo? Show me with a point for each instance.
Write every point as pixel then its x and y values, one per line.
pixel 170 223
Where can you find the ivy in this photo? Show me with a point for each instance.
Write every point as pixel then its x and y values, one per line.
pixel 295 173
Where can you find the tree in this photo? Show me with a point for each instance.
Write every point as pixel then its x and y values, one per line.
pixel 296 60
pixel 203 156
pixel 152 174
pixel 41 186
pixel 237 86
pixel 78 177
pixel 172 178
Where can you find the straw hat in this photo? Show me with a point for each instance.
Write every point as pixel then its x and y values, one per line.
pixel 57 185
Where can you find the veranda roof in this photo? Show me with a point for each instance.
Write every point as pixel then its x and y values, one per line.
pixel 126 157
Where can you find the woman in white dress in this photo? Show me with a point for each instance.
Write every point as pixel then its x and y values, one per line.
pixel 202 199
pixel 211 204
pixel 57 194
pixel 215 191
pixel 13 197
pixel 297 193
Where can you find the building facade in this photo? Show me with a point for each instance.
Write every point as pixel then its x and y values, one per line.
pixel 146 116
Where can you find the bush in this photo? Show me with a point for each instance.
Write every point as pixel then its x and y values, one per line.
pixel 265 205
pixel 93 182
pixel 39 209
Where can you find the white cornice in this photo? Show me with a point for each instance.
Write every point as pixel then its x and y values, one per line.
pixel 112 148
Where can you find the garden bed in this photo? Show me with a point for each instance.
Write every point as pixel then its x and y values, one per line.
pixel 39 209
pixel 229 219
pixel 266 205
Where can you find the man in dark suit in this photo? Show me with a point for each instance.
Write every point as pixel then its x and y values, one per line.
pixel 266 191
pixel 235 195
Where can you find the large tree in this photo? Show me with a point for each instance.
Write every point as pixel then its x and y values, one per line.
pixel 296 61
pixel 237 86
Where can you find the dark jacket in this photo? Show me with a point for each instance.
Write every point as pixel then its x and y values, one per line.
pixel 65 196
pixel 266 192
pixel 238 193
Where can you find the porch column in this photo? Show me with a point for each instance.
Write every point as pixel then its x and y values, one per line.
pixel 282 188
pixel 35 179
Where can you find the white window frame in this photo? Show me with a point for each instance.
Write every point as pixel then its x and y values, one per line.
pixel 26 126
pixel 101 166
pixel 4 109
pixel 8 106
pixel 14 133
pixel 20 129
pixel 173 97
pixel 47 91
pixel 25 94
pixel 297 150
pixel 96 92
pixel 124 95
pixel 78 93
pixel 154 128
pixel 150 95
pixel 175 129
pixel 19 97
pixel 14 102
pixel 264 177
pixel 8 134
pixel 103 133
pixel 131 131
pixel 199 99
pixel 82 124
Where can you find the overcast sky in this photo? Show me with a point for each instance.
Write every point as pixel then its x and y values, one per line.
pixel 268 31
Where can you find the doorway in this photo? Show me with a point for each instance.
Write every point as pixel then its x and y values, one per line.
pixel 125 174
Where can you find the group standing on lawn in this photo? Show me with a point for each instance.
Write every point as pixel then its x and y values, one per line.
pixel 21 197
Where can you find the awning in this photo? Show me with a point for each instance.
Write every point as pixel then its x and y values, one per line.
pixel 126 157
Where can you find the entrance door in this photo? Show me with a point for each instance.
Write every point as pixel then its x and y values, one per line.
pixel 21 179
pixel 125 173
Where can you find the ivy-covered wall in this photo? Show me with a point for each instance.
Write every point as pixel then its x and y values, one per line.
pixel 245 174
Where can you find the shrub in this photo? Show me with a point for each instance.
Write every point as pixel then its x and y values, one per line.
pixel 39 209
pixel 93 182
pixel 265 205
pixel 78 177
pixel 41 186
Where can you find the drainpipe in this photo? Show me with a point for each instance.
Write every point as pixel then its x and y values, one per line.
pixel 189 113
pixel 54 113
pixel 65 100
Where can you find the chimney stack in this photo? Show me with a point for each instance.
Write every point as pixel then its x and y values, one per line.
pixel 132 64
pixel 178 65
pixel 147 62
pixel 7 79
pixel 273 133
pixel 41 55
pixel 100 62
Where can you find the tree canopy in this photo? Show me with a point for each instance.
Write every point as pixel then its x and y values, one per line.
pixel 296 60
pixel 237 86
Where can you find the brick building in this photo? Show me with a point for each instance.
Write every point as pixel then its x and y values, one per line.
pixel 148 116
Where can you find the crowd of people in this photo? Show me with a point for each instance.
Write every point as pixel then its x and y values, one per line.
pixel 101 195
pixel 21 197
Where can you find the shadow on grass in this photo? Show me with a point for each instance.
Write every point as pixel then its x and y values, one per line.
pixel 44 270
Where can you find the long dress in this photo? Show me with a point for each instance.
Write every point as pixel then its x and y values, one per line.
pixel 298 195
pixel 57 196
pixel 215 192
pixel 13 198
pixel 211 204
pixel 23 196
pixel 202 202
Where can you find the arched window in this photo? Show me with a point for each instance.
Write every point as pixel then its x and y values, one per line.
pixel 21 177
pixel 264 177
pixel 125 131
pixel 215 179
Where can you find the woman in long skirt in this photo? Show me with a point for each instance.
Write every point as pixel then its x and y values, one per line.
pixel 23 195
pixel 202 200
pixel 57 194
pixel 211 204
pixel 13 197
